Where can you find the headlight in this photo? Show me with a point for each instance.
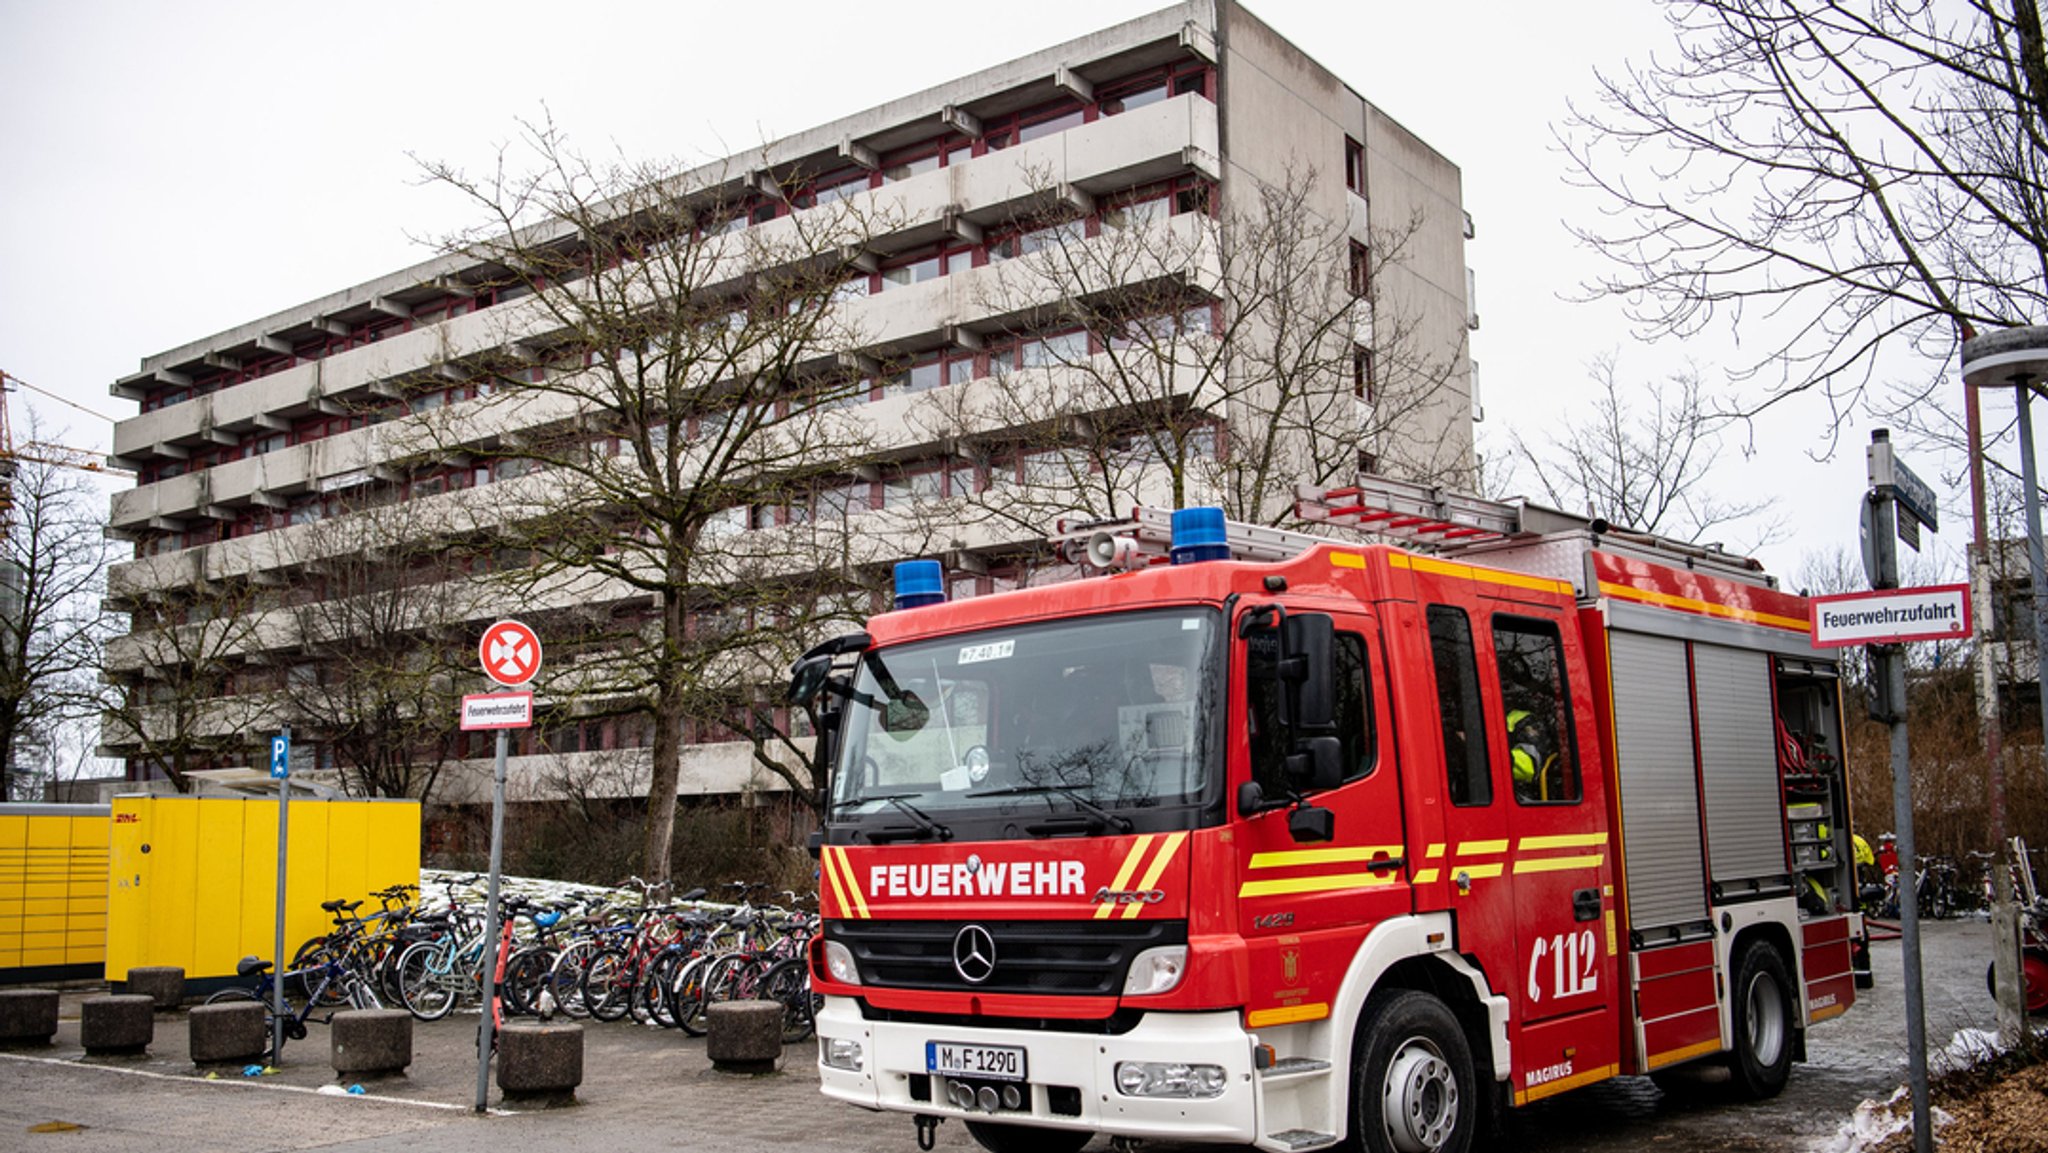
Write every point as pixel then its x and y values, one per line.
pixel 841 1052
pixel 1168 1079
pixel 839 963
pixel 1156 970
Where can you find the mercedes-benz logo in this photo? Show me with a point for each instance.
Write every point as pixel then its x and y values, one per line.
pixel 974 954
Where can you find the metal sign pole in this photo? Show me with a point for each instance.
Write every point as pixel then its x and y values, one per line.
pixel 1888 675
pixel 486 1030
pixel 281 768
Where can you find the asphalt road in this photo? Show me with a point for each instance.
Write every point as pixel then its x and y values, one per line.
pixel 646 1088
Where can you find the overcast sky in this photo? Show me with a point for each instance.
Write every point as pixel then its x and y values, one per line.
pixel 172 170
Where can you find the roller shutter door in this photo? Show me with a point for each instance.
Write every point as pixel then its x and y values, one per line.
pixel 1659 793
pixel 1739 764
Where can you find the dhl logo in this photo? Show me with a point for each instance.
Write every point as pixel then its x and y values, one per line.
pixel 1470 860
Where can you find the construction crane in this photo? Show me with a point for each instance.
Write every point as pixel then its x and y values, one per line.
pixel 40 451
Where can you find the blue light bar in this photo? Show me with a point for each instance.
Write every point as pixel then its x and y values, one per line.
pixel 1199 535
pixel 920 583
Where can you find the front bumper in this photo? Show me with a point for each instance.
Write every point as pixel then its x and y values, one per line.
pixel 1072 1075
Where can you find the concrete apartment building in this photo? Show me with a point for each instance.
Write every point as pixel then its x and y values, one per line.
pixel 250 441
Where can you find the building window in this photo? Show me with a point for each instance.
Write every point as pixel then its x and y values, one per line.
pixel 1363 386
pixel 1354 166
pixel 1360 271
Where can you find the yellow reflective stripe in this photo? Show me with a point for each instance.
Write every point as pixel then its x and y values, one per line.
pixel 1286 1015
pixel 1553 864
pixel 1123 874
pixel 1347 560
pixel 1493 870
pixel 1563 841
pixel 1486 575
pixel 1426 877
pixel 1708 608
pixel 1282 860
pixel 1322 884
pixel 1673 1056
pixel 849 887
pixel 1151 876
pixel 1478 847
pixel 1434 851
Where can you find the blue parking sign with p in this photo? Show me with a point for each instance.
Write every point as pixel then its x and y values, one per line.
pixel 280 757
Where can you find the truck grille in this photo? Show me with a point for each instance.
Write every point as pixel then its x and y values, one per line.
pixel 1059 958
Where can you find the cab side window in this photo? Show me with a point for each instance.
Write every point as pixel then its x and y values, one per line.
pixel 1543 757
pixel 1466 764
pixel 1271 740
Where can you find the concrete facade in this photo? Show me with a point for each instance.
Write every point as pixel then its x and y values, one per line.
pixel 251 441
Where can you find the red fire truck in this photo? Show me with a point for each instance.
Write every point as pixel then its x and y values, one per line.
pixel 1299 840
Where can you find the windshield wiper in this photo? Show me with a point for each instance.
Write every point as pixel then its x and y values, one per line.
pixel 926 827
pixel 1119 823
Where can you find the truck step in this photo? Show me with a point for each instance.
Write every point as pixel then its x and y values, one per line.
pixel 1301 1139
pixel 1295 1067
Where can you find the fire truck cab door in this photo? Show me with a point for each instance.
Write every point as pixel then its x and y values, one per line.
pixel 1304 907
pixel 1525 845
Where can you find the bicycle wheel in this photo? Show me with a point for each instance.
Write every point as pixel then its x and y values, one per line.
pixel 788 983
pixel 525 973
pixel 650 995
pixel 565 978
pixel 316 951
pixel 608 985
pixel 686 995
pixel 427 981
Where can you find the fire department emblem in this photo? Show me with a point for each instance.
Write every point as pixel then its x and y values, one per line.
pixel 973 863
pixel 974 954
pixel 1290 966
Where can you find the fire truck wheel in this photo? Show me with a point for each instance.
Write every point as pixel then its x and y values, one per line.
pixel 1414 1091
pixel 1026 1139
pixel 1762 1058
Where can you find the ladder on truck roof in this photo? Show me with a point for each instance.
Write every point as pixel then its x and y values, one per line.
pixel 1420 516
pixel 1417 514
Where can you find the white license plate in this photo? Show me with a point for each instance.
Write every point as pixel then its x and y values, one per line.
pixel 986 1062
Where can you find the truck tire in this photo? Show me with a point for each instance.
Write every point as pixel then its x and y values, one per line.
pixel 1412 1089
pixel 1762 1017
pixel 1026 1139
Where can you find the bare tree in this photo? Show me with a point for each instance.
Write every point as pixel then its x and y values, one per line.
pixel 680 382
pixel 53 565
pixel 182 692
pixel 1644 462
pixel 1174 350
pixel 1837 179
pixel 378 615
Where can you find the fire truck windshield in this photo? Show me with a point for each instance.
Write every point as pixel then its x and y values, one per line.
pixel 1080 724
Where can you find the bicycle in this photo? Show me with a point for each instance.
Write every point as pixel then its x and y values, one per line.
pixel 349 987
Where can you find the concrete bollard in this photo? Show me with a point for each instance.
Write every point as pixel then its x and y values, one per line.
pixel 117 1024
pixel 27 1016
pixel 540 1061
pixel 164 983
pixel 371 1042
pixel 744 1036
pixel 229 1032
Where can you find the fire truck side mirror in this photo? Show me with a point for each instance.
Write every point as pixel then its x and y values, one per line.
pixel 1311 823
pixel 1316 764
pixel 1310 639
pixel 807 679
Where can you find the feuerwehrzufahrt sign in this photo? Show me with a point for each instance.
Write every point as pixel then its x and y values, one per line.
pixel 1891 616
pixel 497 711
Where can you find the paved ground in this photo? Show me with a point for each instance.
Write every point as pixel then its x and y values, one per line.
pixel 648 1088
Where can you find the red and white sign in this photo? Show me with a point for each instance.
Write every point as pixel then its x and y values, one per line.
pixel 1891 616
pixel 497 711
pixel 510 653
